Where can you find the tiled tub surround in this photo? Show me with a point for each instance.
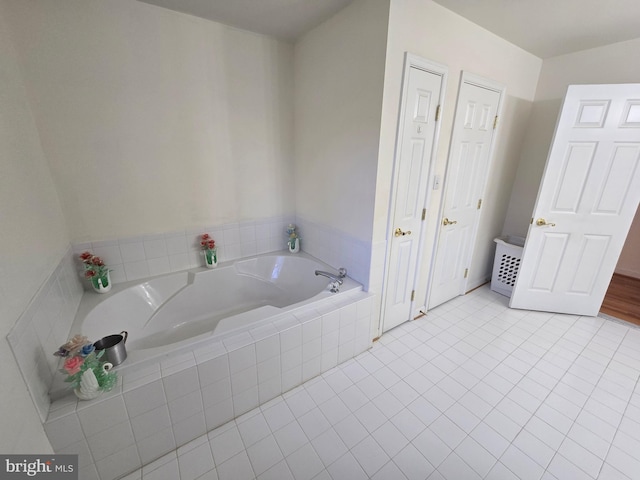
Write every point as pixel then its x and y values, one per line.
pixel 46 323
pixel 160 406
pixel 134 258
pixel 337 248
pixel 43 327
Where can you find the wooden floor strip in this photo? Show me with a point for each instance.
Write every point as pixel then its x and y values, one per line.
pixel 623 299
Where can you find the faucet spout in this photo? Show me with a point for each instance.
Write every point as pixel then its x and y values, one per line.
pixel 330 276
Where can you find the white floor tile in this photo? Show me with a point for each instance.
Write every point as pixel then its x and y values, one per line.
pixel 351 431
pixel 236 468
pixel 329 446
pixel 313 423
pixel 353 398
pixel 408 424
pixel 580 456
pixel 412 463
pixel 589 440
pixel 534 448
pixel 562 468
pixel 500 472
pixel 290 438
pixel 226 445
pixel 472 390
pixel 370 416
pixel 502 424
pixel 196 462
pixel 334 410
pixel 389 472
pixel 478 458
pixel 264 454
pixel 278 415
pixel 455 467
pixel 545 432
pixel 434 449
pixel 305 463
pixel 462 417
pixel 448 431
pixel 390 438
pixel 280 471
pixel 253 429
pixel 521 464
pixel 424 410
pixel 347 467
pixel 490 439
pixel 369 455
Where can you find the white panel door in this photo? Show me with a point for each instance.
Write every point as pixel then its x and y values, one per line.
pixel 466 177
pixel 586 203
pixel 417 132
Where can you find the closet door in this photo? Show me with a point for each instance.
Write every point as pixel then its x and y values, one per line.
pixel 418 128
pixel 587 200
pixel 473 136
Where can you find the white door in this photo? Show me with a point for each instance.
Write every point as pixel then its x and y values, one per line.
pixel 586 203
pixel 466 177
pixel 417 131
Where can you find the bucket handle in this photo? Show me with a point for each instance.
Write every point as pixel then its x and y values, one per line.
pixel 125 335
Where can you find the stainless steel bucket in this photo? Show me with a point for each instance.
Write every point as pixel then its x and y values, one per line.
pixel 114 347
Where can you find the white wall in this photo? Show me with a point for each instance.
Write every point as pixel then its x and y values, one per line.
pixel 435 33
pixel 124 119
pixel 33 240
pixel 609 64
pixel 155 121
pixel 339 73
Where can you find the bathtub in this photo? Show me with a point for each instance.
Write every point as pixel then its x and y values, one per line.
pixel 204 347
pixel 178 311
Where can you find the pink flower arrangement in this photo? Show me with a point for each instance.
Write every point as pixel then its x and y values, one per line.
pixel 80 355
pixel 73 365
pixel 94 269
pixel 206 242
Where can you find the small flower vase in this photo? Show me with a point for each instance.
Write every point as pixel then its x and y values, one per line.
pixel 89 388
pixel 101 284
pixel 294 245
pixel 211 257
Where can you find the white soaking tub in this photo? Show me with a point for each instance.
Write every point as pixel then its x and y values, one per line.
pixel 175 311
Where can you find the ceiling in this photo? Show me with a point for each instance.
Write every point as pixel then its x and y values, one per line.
pixel 284 19
pixel 546 28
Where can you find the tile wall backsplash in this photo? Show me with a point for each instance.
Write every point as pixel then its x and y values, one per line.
pixel 336 249
pixel 134 258
pixel 43 327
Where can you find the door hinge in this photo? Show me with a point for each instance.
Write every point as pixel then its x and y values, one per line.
pixel 413 295
pixel 424 213
pixel 495 122
pixel 438 113
pixel 479 204
pixel 466 272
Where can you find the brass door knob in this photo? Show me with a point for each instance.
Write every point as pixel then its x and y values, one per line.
pixel 400 233
pixel 446 221
pixel 541 222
